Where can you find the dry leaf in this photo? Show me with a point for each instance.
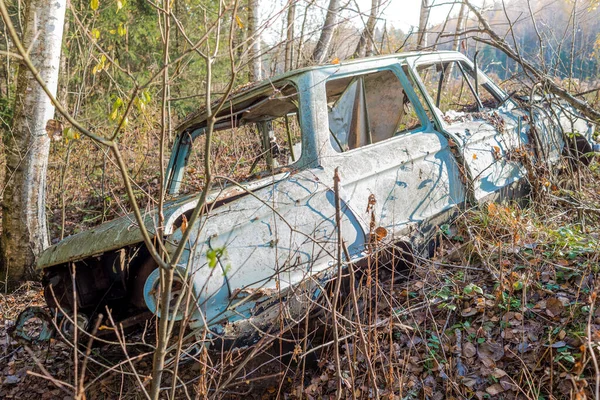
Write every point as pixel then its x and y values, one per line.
pixel 469 350
pixel 489 353
pixel 184 223
pixel 495 389
pixel 239 22
pixel 554 307
pixel 468 312
pixel 381 232
pixel 498 373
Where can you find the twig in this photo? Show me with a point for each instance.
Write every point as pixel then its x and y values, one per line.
pixel 590 346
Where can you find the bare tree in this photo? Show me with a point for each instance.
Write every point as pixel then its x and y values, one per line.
pixel 320 53
pixel 547 81
pixel 423 21
pixel 366 42
pixel 254 52
pixel 27 145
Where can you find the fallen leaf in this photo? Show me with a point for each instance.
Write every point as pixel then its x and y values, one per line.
pixel 498 373
pixel 507 384
pixel 469 382
pixel 468 312
pixel 469 350
pixel 554 307
pixel 562 334
pixel 523 347
pixel 495 351
pixel 495 389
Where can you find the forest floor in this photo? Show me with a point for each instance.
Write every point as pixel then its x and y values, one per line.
pixel 506 309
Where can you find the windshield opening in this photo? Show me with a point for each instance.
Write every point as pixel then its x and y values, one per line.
pixel 260 139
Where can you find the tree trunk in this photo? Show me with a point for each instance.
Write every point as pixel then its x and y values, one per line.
pixel 322 48
pixel 459 27
pixel 254 53
pixel 24 232
pixel 366 42
pixel 423 21
pixel 289 43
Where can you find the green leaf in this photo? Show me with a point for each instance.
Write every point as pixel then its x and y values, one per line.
pixel 146 96
pixel 121 30
pixel 211 256
pixel 445 229
pixel 569 358
pixel 472 288
pixel 139 104
pixel 94 4
pixel 124 123
pixel 118 103
pixel 115 108
pixel 70 134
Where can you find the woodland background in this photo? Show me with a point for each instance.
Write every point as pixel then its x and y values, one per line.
pixel 506 308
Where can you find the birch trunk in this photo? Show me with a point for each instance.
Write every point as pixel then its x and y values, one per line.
pixel 27 145
pixel 423 21
pixel 254 52
pixel 289 43
pixel 459 27
pixel 367 41
pixel 322 48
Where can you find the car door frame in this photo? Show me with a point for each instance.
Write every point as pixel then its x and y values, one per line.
pixel 468 156
pixel 416 233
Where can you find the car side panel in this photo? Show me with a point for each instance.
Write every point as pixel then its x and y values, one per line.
pixel 411 178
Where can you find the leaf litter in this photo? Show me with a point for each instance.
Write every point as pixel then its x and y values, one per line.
pixel 501 311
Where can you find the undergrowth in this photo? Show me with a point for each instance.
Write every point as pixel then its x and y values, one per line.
pixel 505 309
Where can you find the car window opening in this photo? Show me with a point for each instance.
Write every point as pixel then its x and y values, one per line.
pixel 454 89
pixel 249 143
pixel 368 109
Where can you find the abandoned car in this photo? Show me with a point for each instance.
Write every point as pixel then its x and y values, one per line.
pixel 413 137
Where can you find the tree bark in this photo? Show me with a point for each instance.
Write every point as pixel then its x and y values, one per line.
pixel 423 21
pixel 289 43
pixel 366 42
pixel 322 47
pixel 459 28
pixel 24 231
pixel 254 52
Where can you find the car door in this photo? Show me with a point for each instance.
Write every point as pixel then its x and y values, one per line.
pixel 397 172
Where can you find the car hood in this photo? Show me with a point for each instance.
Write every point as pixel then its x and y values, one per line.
pixel 124 231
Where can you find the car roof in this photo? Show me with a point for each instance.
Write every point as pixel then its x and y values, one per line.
pixel 196 118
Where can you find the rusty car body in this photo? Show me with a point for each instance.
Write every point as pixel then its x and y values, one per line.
pixel 414 136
